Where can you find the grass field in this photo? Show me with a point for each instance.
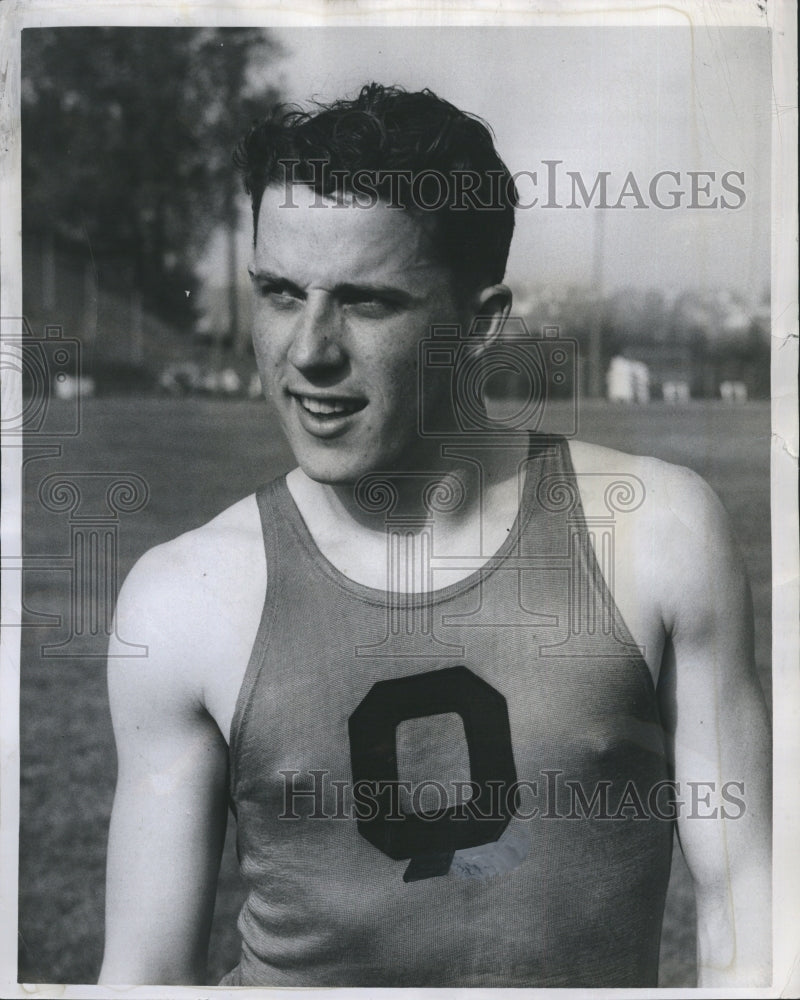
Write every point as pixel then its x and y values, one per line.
pixel 197 456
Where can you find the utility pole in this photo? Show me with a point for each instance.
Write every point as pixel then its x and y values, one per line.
pixel 595 375
pixel 48 275
pixel 233 84
pixel 231 222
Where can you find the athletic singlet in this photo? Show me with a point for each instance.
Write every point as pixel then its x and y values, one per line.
pixel 462 789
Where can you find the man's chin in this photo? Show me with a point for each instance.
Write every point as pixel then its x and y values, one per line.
pixel 329 479
pixel 329 473
pixel 347 467
pixel 346 475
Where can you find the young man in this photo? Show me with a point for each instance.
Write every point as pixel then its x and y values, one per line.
pixel 454 755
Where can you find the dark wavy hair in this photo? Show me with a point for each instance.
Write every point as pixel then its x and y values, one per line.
pixel 412 150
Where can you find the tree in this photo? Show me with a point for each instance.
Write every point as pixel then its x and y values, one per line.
pixel 127 136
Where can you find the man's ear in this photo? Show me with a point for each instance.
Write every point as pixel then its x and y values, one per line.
pixel 491 312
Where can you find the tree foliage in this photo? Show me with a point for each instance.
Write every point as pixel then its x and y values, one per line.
pixel 127 137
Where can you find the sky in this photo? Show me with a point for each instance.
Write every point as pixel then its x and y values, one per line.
pixel 628 101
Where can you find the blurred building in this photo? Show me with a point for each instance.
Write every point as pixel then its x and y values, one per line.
pixel 627 381
pixel 694 339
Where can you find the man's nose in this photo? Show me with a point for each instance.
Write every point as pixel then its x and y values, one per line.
pixel 316 343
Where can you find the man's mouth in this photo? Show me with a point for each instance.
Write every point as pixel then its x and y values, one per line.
pixel 329 406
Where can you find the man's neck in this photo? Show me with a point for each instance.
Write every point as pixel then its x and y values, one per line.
pixel 452 494
pixel 391 531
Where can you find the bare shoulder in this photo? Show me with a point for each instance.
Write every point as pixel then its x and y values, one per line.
pixel 204 565
pixel 190 601
pixel 677 523
pixel 673 495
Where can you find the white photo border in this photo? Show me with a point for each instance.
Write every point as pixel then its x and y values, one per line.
pixel 778 17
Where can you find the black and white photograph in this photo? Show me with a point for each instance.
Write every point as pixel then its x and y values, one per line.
pixel 399 527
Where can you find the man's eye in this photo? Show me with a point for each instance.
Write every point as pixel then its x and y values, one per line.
pixel 280 297
pixel 370 306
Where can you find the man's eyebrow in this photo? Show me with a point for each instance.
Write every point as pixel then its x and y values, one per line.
pixel 356 290
pixel 272 278
pixel 345 290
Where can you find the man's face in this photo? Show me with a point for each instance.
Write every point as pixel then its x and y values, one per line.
pixel 343 297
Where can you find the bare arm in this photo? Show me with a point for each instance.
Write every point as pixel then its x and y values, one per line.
pixel 169 814
pixel 714 711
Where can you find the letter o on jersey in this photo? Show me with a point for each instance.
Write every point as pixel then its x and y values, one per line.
pixel 373 754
